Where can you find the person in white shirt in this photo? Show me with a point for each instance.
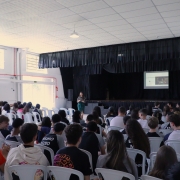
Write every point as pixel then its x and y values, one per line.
pixel 156 107
pixel 143 120
pixel 118 120
pixel 175 125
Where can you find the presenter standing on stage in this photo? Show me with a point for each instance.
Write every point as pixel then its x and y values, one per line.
pixel 81 102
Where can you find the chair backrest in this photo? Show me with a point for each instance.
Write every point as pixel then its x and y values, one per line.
pixel 20 115
pixel 113 128
pixel 108 120
pixel 146 130
pixel 44 111
pixel 28 118
pixel 155 143
pixel 50 113
pixel 63 173
pixel 89 156
pixel 45 148
pixel 174 144
pixel 165 131
pixel 112 174
pixel 1 142
pixel 11 117
pixel 55 110
pixel 71 111
pixel 145 177
pixel 125 137
pixel 27 172
pixel 133 153
pixel 63 123
pixel 12 144
pixel 100 129
pixel 37 118
pixel 65 110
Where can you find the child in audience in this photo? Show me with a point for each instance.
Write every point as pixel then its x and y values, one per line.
pixel 158 115
pixel 118 120
pixel 16 125
pixel 14 109
pixel 98 110
pixel 166 112
pixel 166 125
pixel 54 140
pixel 26 109
pixel 6 109
pixel 117 157
pixel 62 114
pixel 134 114
pixel 20 108
pixel 111 112
pixel 71 156
pixel 175 125
pixel 156 107
pixel 38 110
pixel 44 129
pixel 131 108
pixel 153 125
pixel 26 153
pixel 125 119
pixel 143 121
pixel 137 139
pixel 149 111
pixel 173 172
pixel 4 123
pixel 166 156
pixel 76 118
pixel 89 142
pixel 171 105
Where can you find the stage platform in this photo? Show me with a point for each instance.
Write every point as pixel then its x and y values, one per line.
pixel 105 104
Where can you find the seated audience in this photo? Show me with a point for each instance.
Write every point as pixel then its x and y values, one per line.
pixel 171 105
pixel 6 109
pixel 89 142
pixel 14 136
pixel 156 107
pixel 20 108
pixel 158 115
pixel 173 173
pixel 128 112
pixel 98 110
pixel 153 125
pixel 31 108
pixel 175 125
pixel 38 110
pixel 14 109
pixel 166 156
pixel 135 114
pixel 24 104
pixel 44 129
pixel 125 119
pixel 4 123
pixel 71 156
pixel 3 155
pixel 111 112
pixel 18 102
pixel 89 118
pixel 166 125
pixel 26 109
pixel 149 111
pixel 54 140
pixel 143 120
pixel 97 119
pixel 117 157
pixel 26 153
pixel 1 105
pixel 137 139
pixel 76 118
pixel 118 120
pixel 62 114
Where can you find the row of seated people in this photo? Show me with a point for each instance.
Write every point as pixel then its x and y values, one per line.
pixel 136 138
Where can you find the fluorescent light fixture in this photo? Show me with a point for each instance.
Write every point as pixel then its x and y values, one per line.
pixel 74 35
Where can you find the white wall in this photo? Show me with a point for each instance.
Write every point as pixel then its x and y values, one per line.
pixel 6 88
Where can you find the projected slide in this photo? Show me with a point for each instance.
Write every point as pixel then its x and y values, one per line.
pixel 156 80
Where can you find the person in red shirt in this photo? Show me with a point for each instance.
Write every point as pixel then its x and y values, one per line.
pixel 3 155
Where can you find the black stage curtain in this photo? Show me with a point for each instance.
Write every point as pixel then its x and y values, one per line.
pixel 131 57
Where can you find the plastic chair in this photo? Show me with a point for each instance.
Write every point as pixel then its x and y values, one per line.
pixel 155 143
pixel 63 123
pixel 28 118
pixel 44 111
pixel 133 153
pixel 125 137
pixel 63 173
pixel 114 128
pixel 50 113
pixel 11 117
pixel 43 148
pixel 27 172
pixel 12 144
pixel 1 142
pixel 165 131
pixel 37 118
pixel 112 174
pixel 55 110
pixel 174 144
pixel 108 120
pixel 100 129
pixel 145 177
pixel 20 115
pixel 71 112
